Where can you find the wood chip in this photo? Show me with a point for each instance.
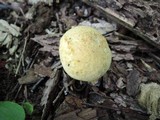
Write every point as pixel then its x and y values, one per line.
pixel 133 82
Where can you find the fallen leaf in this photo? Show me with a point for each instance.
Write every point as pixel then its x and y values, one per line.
pixel 30 77
pixel 42 70
pixel 74 101
pixel 50 43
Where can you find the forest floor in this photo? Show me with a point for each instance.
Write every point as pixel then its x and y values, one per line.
pixel 30 69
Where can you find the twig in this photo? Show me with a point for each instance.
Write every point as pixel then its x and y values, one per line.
pixel 18 92
pixel 37 83
pixel 32 60
pixel 59 25
pixel 58 96
pixel 56 65
pixel 25 92
pixel 22 55
pixel 156 58
pixel 123 36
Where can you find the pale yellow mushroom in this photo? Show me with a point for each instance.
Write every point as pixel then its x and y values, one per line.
pixel 84 53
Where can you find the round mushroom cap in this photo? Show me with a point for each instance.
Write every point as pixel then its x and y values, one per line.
pixel 84 53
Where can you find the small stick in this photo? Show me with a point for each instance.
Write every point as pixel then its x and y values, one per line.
pixel 58 96
pixel 22 55
pixel 37 83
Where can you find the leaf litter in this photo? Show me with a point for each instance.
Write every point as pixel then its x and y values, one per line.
pixel 36 42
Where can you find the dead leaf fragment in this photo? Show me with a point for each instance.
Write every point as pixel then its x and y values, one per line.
pixel 42 70
pixel 49 42
pixel 74 101
pixel 30 77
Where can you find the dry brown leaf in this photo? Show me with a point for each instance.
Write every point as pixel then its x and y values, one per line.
pixel 50 43
pixel 74 101
pixel 42 70
pixel 30 77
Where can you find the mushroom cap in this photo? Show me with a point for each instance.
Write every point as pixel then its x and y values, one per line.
pixel 84 53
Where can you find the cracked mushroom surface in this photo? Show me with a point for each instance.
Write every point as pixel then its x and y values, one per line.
pixel 84 53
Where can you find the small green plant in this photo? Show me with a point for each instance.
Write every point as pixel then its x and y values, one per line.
pixel 28 108
pixel 11 111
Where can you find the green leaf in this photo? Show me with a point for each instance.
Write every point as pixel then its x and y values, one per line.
pixel 28 108
pixel 11 111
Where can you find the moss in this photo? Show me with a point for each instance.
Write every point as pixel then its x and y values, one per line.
pixel 149 98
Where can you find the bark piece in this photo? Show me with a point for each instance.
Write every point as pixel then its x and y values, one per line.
pixel 133 83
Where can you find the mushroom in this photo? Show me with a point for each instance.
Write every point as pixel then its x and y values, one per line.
pixel 84 53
